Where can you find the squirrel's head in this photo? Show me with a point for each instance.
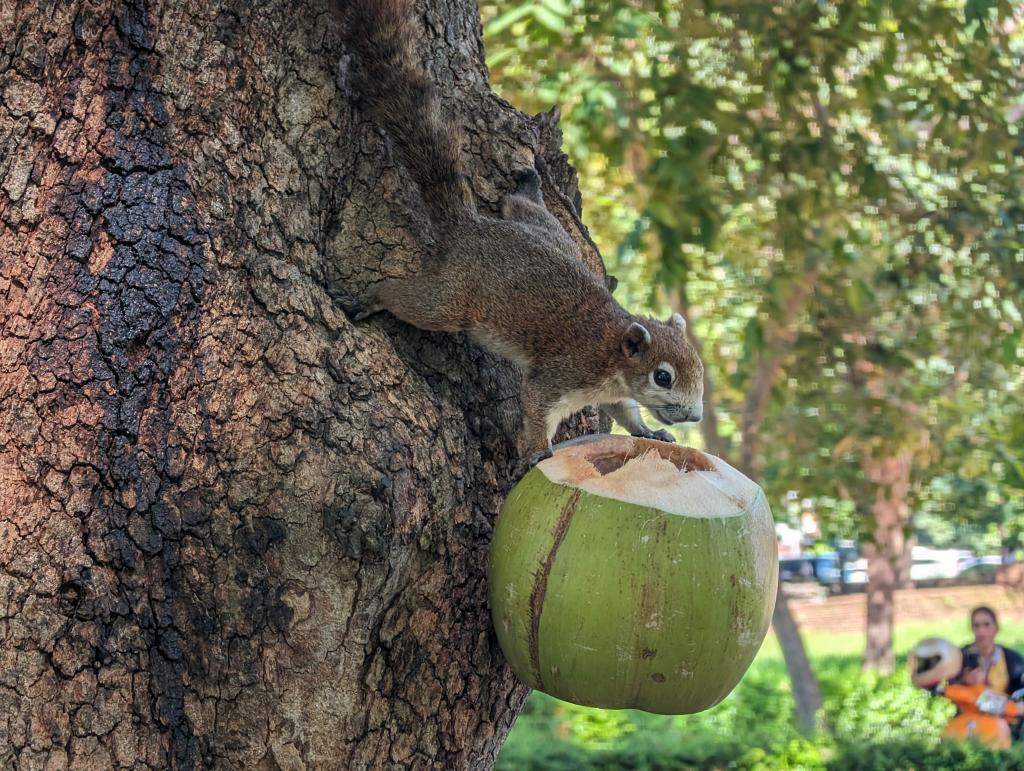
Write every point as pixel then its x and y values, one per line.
pixel 662 370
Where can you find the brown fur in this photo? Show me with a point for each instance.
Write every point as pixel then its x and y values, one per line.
pixel 395 89
pixel 517 284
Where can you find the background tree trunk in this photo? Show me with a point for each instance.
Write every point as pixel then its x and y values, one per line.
pixel 236 530
pixel 891 476
pixel 807 702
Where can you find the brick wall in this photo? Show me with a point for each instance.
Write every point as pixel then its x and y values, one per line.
pixel 846 613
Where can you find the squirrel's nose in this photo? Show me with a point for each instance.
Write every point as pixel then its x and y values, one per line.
pixel 679 414
pixel 693 414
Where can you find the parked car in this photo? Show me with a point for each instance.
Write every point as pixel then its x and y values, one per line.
pixel 856 572
pixel 980 568
pixel 834 568
pixel 844 568
pixel 932 564
pixel 831 567
pixel 796 568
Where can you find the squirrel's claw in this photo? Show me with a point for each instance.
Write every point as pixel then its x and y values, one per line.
pixel 538 456
pixel 661 435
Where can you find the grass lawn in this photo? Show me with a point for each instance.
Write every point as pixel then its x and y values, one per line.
pixel 819 646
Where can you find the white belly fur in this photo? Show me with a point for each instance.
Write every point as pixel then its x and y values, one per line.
pixel 503 348
pixel 574 401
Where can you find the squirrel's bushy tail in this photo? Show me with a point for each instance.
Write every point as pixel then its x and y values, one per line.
pixel 395 90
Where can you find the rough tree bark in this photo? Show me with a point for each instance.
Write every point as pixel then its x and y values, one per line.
pixel 236 530
pixel 885 552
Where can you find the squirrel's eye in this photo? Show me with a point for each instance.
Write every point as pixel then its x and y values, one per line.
pixel 662 378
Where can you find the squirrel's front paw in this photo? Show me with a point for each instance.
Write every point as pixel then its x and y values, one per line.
pixel 537 457
pixel 661 435
pixel 357 315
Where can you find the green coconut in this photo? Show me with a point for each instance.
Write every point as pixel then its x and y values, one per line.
pixel 631 573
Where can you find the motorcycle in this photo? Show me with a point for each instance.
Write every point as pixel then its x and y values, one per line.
pixel 983 714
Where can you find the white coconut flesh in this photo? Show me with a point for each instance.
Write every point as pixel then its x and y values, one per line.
pixel 673 479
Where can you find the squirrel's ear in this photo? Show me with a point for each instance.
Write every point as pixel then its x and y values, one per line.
pixel 677 321
pixel 636 339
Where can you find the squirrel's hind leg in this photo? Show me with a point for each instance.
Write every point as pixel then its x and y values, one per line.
pixel 364 314
pixel 526 202
pixel 528 184
pixel 359 308
pixel 526 205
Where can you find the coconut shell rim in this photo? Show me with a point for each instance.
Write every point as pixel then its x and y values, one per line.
pixel 739 512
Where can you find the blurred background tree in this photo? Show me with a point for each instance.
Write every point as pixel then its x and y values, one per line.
pixel 830 191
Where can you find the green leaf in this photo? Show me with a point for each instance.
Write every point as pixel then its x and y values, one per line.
pixel 1011 345
pixel 858 294
pixel 502 21
pixel 561 7
pixel 663 213
pixel 753 339
pixel 499 55
pixel 549 19
pixel 978 11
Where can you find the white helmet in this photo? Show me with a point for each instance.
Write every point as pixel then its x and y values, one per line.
pixel 934 660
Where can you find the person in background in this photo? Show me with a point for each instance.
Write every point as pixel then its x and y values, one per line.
pixel 986 663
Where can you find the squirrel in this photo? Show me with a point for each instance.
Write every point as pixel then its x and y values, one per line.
pixel 517 284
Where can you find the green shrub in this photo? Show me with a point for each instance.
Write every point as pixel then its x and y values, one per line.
pixel 924 756
pixel 875 723
pixel 868 708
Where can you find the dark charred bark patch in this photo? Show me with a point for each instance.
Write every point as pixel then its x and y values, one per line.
pixel 358 536
pixel 114 321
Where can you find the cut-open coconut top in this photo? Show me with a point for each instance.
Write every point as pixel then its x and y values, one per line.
pixel 673 479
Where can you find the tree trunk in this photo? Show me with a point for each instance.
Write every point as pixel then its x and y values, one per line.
pixel 806 690
pixel 807 701
pixel 891 476
pixel 905 561
pixel 236 530
pixel 714 442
